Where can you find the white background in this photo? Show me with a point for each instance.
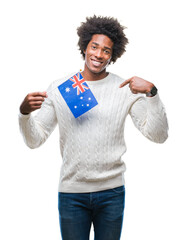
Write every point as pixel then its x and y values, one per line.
pixel 38 44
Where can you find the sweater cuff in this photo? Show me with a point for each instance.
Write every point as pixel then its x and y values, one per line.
pixel 24 116
pixel 153 100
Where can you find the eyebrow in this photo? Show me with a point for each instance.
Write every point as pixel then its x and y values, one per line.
pixel 104 46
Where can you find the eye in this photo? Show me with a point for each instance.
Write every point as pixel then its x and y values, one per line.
pixel 93 47
pixel 107 51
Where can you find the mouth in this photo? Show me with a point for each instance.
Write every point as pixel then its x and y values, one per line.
pixel 96 63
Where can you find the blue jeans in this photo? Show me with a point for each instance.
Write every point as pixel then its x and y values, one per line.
pixel 77 211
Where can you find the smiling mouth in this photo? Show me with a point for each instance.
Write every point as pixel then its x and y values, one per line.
pixel 96 63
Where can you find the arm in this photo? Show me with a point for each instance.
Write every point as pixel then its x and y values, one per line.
pixel 36 129
pixel 148 113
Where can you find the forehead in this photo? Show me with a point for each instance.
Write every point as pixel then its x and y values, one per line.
pixel 102 40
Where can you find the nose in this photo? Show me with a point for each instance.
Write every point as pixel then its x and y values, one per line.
pixel 99 53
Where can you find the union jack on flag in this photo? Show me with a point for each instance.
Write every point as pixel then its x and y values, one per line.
pixel 77 95
pixel 79 83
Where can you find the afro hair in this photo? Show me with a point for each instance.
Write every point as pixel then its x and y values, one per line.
pixel 103 25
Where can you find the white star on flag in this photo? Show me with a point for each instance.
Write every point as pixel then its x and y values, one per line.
pixel 67 89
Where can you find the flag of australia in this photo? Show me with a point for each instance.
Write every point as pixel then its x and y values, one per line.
pixel 77 95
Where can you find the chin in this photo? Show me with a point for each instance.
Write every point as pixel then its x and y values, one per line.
pixel 97 70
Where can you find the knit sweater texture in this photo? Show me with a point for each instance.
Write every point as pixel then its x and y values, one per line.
pixel 93 144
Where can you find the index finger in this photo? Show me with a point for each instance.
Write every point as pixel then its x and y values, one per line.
pixel 125 83
pixel 39 94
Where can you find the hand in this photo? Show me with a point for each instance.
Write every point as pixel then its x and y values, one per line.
pixel 138 85
pixel 32 102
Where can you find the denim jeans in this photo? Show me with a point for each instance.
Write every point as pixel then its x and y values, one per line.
pixel 77 211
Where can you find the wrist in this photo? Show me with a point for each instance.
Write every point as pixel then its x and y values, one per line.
pixel 152 92
pixel 22 112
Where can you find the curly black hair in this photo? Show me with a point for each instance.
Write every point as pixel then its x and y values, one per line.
pixel 103 25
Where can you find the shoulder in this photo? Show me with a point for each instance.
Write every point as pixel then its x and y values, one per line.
pixel 116 80
pixel 58 82
pixel 116 77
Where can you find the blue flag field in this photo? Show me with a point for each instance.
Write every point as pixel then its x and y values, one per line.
pixel 77 95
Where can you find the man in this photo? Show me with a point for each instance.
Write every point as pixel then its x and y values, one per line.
pixel 91 186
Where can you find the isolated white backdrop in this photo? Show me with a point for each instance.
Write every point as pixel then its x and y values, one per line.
pixel 38 44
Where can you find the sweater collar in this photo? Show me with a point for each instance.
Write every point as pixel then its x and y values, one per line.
pixel 101 81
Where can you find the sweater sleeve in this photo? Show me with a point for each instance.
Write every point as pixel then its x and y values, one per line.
pixel 36 129
pixel 149 116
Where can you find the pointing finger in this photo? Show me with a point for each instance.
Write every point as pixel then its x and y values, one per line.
pixel 125 83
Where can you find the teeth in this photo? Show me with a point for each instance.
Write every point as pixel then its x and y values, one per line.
pixel 96 63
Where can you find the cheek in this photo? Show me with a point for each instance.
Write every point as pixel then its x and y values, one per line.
pixel 108 61
pixel 87 54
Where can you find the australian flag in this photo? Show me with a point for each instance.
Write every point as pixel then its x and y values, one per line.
pixel 77 95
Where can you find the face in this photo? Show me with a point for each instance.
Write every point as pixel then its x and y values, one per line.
pixel 98 54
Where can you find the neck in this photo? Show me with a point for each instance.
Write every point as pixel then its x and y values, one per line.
pixel 91 76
